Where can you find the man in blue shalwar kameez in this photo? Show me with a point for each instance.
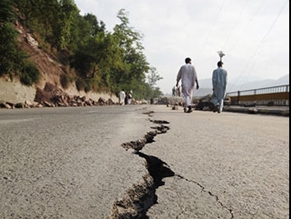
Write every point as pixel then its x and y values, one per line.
pixel 219 82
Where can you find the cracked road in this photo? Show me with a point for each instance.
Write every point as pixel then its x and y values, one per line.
pixel 70 163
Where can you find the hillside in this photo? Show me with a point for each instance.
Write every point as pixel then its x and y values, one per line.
pixel 66 53
pixel 51 70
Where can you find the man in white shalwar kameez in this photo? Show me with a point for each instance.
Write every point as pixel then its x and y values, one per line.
pixel 121 97
pixel 188 76
pixel 219 82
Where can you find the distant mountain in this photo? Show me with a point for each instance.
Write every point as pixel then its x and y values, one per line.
pixel 283 80
pixel 206 85
pixel 202 92
pixel 258 84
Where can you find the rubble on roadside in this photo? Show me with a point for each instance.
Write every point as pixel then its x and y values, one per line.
pixel 52 96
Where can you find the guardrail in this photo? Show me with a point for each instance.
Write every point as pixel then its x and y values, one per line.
pixel 270 96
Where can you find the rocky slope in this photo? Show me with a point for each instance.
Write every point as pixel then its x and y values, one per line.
pixel 48 92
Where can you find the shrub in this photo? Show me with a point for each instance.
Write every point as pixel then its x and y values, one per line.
pixel 88 87
pixel 65 80
pixel 29 74
pixel 84 84
pixel 80 84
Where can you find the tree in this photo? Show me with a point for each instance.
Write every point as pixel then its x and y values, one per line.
pixel 6 12
pixel 11 55
pixel 95 27
pixel 64 19
pixel 8 49
pixel 153 77
pixel 135 65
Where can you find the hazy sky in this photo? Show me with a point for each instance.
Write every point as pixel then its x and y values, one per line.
pixel 254 34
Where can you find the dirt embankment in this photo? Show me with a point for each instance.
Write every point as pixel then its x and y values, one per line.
pixel 50 69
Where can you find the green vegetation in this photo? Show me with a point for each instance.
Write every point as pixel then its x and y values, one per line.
pixel 66 80
pixel 29 73
pixel 13 61
pixel 98 59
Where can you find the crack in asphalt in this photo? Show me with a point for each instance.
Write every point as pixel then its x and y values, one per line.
pixel 140 197
pixel 209 192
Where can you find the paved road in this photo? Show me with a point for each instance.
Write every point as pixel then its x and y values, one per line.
pixel 226 165
pixel 67 162
pixel 70 163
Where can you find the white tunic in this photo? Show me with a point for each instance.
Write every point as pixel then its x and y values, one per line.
pixel 188 76
pixel 121 97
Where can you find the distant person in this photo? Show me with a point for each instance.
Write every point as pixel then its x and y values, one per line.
pixel 126 98
pixel 174 91
pixel 129 97
pixel 188 76
pixel 219 82
pixel 121 97
pixel 178 91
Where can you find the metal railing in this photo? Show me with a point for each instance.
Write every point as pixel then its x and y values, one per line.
pixel 270 96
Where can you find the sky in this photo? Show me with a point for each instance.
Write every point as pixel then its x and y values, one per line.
pixel 253 35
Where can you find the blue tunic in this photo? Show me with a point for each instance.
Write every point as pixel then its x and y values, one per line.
pixel 219 81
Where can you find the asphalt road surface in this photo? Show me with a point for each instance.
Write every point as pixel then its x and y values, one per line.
pixel 142 161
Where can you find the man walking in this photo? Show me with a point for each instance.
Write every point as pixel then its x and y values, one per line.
pixel 219 82
pixel 121 97
pixel 188 76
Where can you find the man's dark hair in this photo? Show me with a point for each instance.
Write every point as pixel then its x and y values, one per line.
pixel 219 64
pixel 187 60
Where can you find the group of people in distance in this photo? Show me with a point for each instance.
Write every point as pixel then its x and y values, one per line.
pixel 188 76
pixel 125 97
